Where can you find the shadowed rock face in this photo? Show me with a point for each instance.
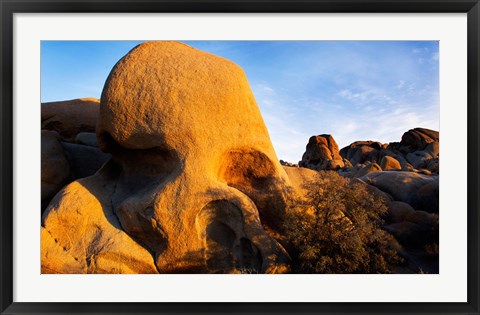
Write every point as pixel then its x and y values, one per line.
pixel 193 175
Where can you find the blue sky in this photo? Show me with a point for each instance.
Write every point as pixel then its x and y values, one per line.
pixel 353 90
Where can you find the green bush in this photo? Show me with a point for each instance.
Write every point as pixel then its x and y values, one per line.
pixel 336 228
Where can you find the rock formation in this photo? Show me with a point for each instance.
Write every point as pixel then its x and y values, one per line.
pixel 63 162
pixel 418 139
pixel 55 166
pixel 69 118
pixel 417 151
pixel 177 195
pixel 419 191
pixel 322 154
pixel 360 152
pixel 74 124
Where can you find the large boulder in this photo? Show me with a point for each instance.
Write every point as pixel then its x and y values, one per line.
pixel 69 118
pixel 418 190
pixel 322 154
pixel 80 235
pixel 193 183
pixel 417 139
pixel 55 168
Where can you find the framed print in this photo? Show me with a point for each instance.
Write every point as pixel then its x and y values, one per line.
pixel 240 157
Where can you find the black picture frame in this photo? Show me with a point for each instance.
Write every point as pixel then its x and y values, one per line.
pixel 9 7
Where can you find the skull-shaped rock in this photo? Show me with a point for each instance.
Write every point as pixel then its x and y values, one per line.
pixel 193 178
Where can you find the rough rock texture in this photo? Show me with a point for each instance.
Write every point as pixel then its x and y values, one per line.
pixel 322 154
pixel 68 118
pixel 419 191
pixel 54 165
pixel 178 195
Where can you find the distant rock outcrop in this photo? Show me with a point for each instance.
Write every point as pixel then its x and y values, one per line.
pixel 322 154
pixel 417 139
pixel 69 118
pixel 418 152
pixel 362 151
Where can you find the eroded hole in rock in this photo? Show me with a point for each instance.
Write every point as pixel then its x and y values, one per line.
pixel 253 173
pixel 226 246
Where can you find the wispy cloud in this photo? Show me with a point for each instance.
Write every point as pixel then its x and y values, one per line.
pixel 400 84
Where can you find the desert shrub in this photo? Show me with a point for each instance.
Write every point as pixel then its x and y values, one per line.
pixel 336 228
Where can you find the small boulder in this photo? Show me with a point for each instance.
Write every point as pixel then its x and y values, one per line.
pixel 389 163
